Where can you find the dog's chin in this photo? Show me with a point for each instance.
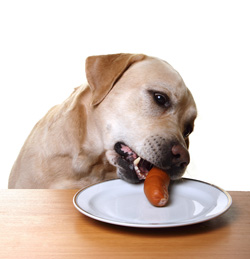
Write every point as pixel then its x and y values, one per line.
pixel 127 175
pixel 134 169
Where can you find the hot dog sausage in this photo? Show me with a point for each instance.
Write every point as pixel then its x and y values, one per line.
pixel 156 187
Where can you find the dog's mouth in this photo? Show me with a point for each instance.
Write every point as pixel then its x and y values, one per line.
pixel 130 161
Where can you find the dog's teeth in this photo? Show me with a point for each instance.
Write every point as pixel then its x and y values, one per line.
pixel 136 161
pixel 137 169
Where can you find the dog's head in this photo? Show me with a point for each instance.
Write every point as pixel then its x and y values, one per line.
pixel 145 114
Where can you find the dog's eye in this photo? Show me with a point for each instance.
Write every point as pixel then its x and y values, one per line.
pixel 188 130
pixel 161 99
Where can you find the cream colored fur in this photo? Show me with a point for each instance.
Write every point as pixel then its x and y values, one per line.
pixel 72 145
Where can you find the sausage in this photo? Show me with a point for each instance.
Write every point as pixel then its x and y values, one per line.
pixel 156 187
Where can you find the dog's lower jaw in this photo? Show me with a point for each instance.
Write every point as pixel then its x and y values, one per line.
pixel 130 178
pixel 127 174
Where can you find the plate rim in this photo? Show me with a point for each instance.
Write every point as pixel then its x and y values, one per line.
pixel 152 225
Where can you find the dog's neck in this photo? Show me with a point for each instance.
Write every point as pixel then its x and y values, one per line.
pixel 78 149
pixel 86 140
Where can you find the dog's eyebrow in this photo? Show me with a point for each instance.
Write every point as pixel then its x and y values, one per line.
pixel 190 115
pixel 191 119
pixel 193 114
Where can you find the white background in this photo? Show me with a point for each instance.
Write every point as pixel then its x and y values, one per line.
pixel 43 46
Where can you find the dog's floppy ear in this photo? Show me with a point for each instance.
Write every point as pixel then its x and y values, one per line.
pixel 103 71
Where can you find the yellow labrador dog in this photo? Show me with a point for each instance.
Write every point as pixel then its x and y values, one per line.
pixel 134 112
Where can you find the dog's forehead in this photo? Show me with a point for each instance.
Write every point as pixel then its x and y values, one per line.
pixel 158 72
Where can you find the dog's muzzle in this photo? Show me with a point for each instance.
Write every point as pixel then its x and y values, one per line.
pixel 172 158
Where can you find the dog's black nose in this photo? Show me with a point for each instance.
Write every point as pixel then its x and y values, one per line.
pixel 180 156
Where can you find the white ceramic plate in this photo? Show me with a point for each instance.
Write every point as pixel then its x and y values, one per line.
pixel 118 202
